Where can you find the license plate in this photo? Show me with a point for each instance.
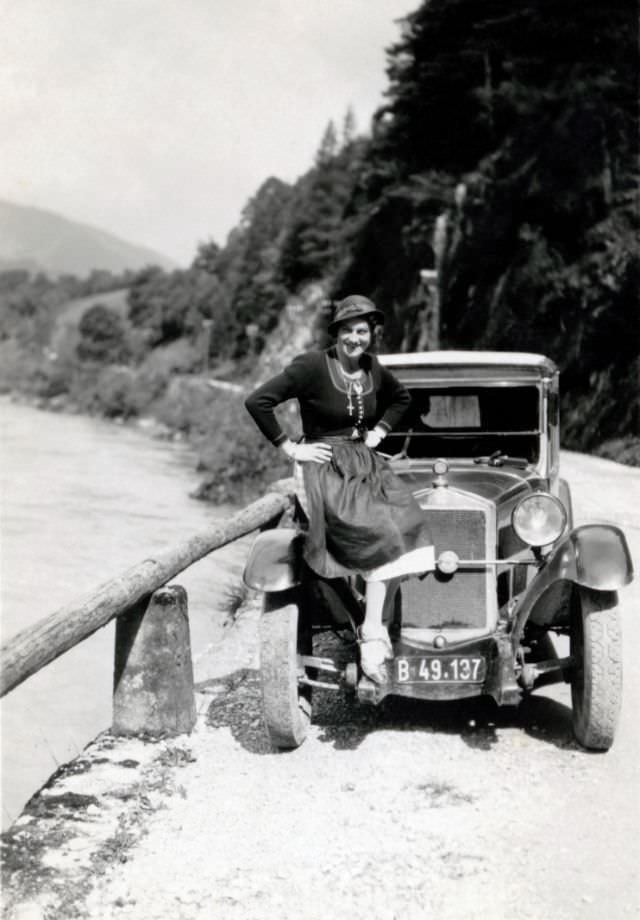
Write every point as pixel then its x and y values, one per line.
pixel 441 669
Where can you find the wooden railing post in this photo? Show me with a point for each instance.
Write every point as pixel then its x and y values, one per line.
pixel 153 674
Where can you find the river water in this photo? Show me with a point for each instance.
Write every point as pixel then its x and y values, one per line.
pixel 81 501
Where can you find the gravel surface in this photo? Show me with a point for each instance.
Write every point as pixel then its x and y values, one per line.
pixel 401 812
pixel 409 810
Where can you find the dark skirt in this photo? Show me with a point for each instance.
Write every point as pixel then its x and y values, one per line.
pixel 361 515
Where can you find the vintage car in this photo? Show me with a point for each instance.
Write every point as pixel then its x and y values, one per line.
pixel 479 446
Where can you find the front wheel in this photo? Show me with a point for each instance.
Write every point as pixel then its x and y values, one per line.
pixel 596 683
pixel 286 706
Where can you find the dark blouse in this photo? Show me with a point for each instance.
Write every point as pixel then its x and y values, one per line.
pixel 315 380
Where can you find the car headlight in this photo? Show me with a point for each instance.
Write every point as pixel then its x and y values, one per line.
pixel 539 519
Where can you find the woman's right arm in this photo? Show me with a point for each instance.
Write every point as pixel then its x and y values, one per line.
pixel 262 402
pixel 291 383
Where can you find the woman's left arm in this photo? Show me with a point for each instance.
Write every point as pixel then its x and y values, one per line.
pixel 394 399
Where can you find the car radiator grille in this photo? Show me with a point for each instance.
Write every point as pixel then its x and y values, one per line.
pixel 451 601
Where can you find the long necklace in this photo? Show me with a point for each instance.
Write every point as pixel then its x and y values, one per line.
pixel 355 402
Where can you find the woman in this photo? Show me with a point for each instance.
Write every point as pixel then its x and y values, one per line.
pixel 362 517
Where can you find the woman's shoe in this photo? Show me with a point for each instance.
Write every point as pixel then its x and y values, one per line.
pixel 375 649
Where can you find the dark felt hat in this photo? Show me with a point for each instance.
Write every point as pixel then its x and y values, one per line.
pixel 353 307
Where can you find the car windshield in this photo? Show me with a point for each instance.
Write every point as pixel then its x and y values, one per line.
pixel 469 422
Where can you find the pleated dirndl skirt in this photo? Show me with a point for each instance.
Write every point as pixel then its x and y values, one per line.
pixel 361 514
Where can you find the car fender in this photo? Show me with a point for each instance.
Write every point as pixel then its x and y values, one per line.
pixel 274 562
pixel 564 494
pixel 594 556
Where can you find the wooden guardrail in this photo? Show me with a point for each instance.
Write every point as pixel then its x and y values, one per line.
pixel 34 647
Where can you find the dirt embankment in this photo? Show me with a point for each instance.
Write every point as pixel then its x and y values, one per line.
pixel 405 811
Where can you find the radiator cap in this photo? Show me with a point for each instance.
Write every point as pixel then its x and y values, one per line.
pixel 440 470
pixel 447 562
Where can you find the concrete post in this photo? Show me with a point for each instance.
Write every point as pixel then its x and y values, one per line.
pixel 153 674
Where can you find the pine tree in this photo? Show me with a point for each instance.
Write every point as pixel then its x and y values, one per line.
pixel 349 128
pixel 313 242
pixel 328 146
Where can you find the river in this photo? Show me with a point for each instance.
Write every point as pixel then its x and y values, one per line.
pixel 82 500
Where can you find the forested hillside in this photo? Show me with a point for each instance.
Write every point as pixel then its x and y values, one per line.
pixel 504 158
pixel 516 125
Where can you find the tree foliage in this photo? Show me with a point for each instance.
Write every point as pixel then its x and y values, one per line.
pixel 166 306
pixel 314 243
pixel 102 336
pixel 519 125
pixel 30 304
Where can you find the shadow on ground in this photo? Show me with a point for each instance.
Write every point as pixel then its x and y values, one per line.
pixel 478 722
pixel 237 705
pixel 344 722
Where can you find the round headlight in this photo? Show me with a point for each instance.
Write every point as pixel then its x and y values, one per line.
pixel 539 519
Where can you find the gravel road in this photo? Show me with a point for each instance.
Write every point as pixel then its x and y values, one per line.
pixel 407 811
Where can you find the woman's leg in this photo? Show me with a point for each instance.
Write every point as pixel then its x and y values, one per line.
pixel 375 596
pixel 375 645
pixel 379 599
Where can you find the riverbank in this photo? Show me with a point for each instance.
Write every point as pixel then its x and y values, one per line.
pixel 82 502
pixel 62 404
pixel 85 822
pixel 234 461
pixel 170 388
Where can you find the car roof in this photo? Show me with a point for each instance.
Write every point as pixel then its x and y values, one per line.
pixel 482 363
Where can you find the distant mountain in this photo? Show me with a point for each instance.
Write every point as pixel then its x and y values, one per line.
pixel 42 241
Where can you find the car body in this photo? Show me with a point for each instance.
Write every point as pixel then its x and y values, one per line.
pixel 480 449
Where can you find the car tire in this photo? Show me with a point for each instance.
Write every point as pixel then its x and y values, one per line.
pixel 286 706
pixel 596 682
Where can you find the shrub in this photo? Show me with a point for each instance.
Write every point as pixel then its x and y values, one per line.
pixel 189 405
pixel 18 365
pixel 178 357
pixel 239 461
pixel 102 336
pixel 116 393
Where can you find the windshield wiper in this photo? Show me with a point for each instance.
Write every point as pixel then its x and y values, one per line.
pixel 497 458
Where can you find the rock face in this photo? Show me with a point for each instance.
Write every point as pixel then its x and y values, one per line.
pixel 301 326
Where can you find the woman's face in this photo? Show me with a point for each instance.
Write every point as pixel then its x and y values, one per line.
pixel 353 339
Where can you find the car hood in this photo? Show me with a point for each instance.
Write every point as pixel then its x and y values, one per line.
pixel 495 485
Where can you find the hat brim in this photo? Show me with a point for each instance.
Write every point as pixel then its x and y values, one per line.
pixel 377 316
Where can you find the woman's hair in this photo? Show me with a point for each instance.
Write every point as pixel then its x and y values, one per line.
pixel 371 322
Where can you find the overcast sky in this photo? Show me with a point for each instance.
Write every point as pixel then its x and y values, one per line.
pixel 157 119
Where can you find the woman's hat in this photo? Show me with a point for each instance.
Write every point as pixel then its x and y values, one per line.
pixel 353 307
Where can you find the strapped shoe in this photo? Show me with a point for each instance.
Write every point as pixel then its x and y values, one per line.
pixel 375 649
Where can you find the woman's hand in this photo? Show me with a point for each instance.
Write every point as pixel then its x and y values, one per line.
pixel 374 437
pixel 307 453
